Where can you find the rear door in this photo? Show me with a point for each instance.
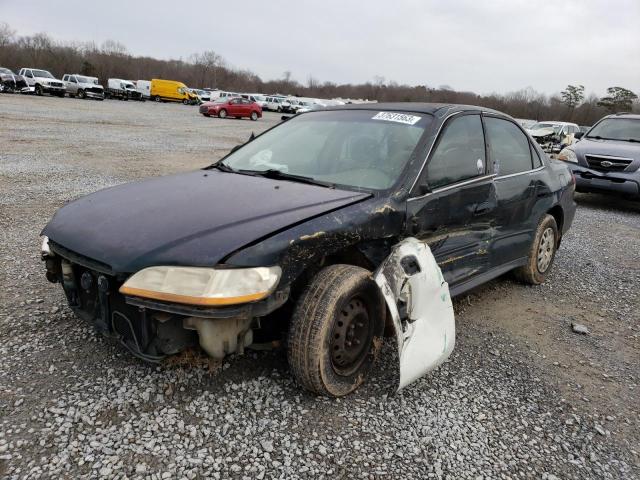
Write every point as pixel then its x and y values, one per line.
pixel 518 185
pixel 455 215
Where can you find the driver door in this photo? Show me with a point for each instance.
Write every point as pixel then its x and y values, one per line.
pixel 234 108
pixel 455 216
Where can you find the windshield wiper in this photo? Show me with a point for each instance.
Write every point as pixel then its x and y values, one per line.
pixel 280 175
pixel 223 167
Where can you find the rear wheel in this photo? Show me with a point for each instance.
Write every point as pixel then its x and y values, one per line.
pixel 336 330
pixel 254 116
pixel 541 253
pixel 222 113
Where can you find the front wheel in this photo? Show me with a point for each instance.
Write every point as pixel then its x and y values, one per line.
pixel 541 253
pixel 157 99
pixel 39 90
pixel 185 102
pixel 81 94
pixel 254 116
pixel 336 330
pixel 222 113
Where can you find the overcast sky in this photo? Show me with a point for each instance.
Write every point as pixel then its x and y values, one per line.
pixel 483 46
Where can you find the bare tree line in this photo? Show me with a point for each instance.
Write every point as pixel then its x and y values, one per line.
pixel 111 59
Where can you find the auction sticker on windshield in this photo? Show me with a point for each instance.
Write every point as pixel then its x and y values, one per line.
pixel 397 117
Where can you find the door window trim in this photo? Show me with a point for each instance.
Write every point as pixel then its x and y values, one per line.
pixel 462 183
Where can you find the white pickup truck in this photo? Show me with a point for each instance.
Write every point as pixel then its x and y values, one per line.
pixel 41 82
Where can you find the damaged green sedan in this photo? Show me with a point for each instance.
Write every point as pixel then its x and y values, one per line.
pixel 328 230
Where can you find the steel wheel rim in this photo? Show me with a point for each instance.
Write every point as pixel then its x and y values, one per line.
pixel 545 250
pixel 351 336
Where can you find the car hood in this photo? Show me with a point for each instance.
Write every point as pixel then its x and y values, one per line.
pixel 195 218
pixel 541 132
pixel 90 85
pixel 613 148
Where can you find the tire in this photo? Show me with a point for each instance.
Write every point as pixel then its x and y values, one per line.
pixel 222 113
pixel 39 90
pixel 185 102
pixel 254 116
pixel 81 94
pixel 541 254
pixel 157 99
pixel 279 110
pixel 336 330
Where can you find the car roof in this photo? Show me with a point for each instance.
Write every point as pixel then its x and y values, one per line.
pixel 552 122
pixel 417 107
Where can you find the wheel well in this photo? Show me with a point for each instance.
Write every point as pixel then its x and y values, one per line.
pixel 349 256
pixel 557 213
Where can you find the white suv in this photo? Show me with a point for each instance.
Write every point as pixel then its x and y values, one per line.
pixel 41 82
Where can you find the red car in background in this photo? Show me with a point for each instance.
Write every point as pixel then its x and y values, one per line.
pixel 234 107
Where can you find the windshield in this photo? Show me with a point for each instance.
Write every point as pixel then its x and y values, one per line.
pixel 617 129
pixel 221 100
pixel 356 148
pixel 541 125
pixel 259 98
pixel 41 73
pixel 82 79
pixel 5 70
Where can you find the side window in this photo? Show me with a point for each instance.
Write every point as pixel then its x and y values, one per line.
pixel 508 147
pixel 73 79
pixel 459 153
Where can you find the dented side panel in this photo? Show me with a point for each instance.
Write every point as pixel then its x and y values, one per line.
pixel 420 305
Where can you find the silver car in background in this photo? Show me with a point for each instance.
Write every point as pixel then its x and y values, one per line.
pixel 83 87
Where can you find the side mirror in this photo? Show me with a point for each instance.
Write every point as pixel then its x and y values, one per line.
pixel 578 135
pixel 423 189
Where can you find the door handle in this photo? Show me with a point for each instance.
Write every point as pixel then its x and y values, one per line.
pixel 482 208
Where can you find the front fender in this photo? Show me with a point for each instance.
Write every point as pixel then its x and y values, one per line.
pixel 308 243
pixel 419 301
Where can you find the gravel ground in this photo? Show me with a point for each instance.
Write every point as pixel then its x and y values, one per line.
pixel 523 396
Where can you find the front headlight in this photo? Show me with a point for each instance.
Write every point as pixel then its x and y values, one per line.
pixel 203 286
pixel 568 155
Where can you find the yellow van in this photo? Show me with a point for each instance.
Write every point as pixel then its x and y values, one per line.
pixel 171 91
